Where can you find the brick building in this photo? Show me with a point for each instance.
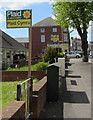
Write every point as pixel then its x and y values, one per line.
pixel 90 48
pixel 76 44
pixel 48 33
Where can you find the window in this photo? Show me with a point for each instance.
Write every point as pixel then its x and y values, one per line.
pixel 43 50
pixel 65 30
pixel 54 29
pixel 42 38
pixel 42 29
pixel 65 37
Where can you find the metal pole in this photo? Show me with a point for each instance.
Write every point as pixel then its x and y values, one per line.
pixel 30 97
pixel 18 92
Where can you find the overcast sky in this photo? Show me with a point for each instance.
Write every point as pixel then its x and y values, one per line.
pixel 41 9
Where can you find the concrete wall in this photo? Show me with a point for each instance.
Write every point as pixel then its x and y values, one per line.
pixel 20 75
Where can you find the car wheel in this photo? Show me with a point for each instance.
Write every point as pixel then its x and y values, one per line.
pixel 77 56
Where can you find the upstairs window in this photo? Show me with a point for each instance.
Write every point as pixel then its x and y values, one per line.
pixel 42 38
pixel 42 30
pixel 54 30
pixel 65 37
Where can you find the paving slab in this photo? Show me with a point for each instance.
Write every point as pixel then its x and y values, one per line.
pixel 78 84
pixel 75 94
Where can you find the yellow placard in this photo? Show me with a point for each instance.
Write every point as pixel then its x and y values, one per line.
pixel 18 23
pixel 54 37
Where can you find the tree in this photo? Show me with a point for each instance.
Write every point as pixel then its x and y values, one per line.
pixel 49 55
pixel 76 15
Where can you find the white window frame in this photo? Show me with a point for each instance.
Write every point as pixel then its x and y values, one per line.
pixel 54 30
pixel 42 38
pixel 42 30
pixel 65 37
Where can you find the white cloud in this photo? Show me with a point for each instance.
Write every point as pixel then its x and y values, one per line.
pixel 19 3
pixel 16 4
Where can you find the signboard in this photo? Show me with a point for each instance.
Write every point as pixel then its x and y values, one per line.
pixel 55 37
pixel 18 18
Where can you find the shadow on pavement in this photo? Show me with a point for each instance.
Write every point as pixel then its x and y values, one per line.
pixel 55 110
pixel 76 97
pixel 74 76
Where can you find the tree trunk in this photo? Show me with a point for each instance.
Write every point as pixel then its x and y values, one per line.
pixel 84 47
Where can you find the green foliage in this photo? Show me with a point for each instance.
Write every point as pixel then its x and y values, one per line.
pixel 41 66
pixel 35 80
pixel 76 15
pixel 61 54
pixel 73 14
pixel 38 66
pixel 50 54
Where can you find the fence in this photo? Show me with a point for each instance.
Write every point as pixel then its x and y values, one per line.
pixel 24 93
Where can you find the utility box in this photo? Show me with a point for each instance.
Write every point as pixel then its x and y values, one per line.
pixel 61 62
pixel 53 82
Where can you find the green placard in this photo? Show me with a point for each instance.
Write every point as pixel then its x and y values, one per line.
pixel 18 18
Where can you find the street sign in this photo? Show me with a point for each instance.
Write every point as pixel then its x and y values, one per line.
pixel 18 18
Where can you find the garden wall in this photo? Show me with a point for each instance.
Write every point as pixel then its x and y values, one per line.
pixel 39 97
pixel 15 111
pixel 20 75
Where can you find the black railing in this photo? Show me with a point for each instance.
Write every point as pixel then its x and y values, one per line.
pixel 24 93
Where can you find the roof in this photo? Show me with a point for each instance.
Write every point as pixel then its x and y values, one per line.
pixel 10 43
pixel 22 40
pixel 46 22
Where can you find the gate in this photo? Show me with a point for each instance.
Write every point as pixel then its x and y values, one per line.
pixel 24 93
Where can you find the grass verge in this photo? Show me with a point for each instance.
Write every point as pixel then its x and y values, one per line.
pixel 9 91
pixel 38 66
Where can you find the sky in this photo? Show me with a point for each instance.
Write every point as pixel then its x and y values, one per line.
pixel 41 9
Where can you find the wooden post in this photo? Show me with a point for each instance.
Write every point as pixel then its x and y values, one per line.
pixel 30 52
pixel 29 69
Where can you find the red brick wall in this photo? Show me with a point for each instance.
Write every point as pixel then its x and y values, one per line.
pixel 20 75
pixel 39 97
pixel 16 110
pixel 37 45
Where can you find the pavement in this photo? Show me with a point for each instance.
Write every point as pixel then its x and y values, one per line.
pixel 74 94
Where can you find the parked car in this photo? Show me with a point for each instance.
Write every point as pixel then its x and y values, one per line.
pixel 79 52
pixel 73 55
